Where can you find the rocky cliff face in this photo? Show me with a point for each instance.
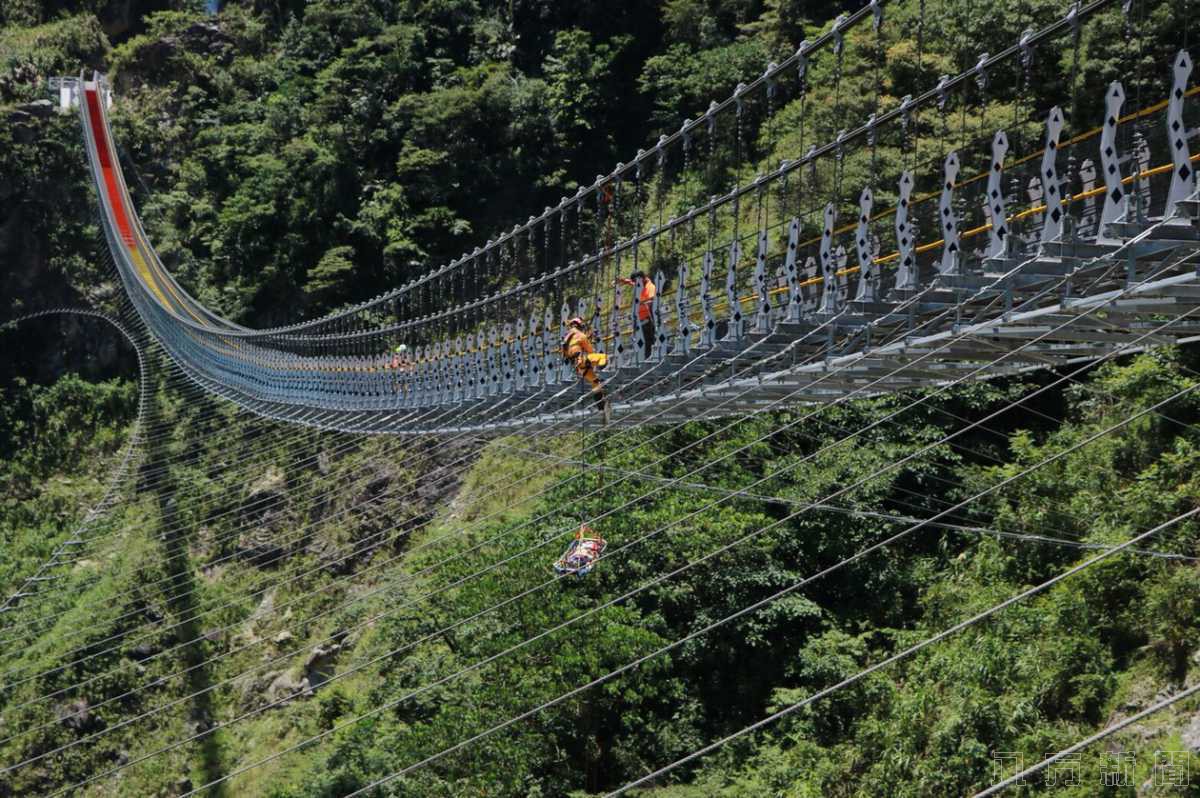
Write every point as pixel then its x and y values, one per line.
pixel 23 248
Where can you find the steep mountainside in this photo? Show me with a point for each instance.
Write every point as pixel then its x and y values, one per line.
pixel 286 612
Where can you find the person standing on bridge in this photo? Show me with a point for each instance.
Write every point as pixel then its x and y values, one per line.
pixel 577 350
pixel 645 307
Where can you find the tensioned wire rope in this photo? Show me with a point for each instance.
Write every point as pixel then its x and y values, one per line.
pixel 265 440
pixel 382 500
pixel 630 544
pixel 632 665
pixel 904 654
pixel 737 493
pixel 252 461
pixel 757 605
pixel 588 613
pixel 125 457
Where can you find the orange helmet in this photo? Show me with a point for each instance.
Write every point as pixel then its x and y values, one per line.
pixel 575 322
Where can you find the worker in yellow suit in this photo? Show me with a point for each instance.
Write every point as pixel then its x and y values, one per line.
pixel 577 350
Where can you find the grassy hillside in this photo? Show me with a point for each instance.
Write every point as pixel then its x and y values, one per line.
pixel 300 613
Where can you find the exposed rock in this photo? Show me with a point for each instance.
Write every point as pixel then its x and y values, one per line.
pixel 208 36
pixel 272 482
pixel 378 482
pixel 144 651
pixel 1190 734
pixel 288 688
pixel 253 687
pixel 319 667
pixel 263 514
pixel 78 715
pixel 260 547
pixel 265 607
pixel 282 638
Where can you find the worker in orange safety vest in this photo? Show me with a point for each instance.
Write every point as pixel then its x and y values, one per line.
pixel 645 307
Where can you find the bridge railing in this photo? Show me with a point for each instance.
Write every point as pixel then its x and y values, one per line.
pixel 921 196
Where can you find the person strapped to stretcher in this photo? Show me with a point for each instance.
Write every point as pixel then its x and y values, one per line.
pixel 580 557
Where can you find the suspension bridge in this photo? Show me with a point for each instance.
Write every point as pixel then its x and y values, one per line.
pixel 1033 247
pixel 769 297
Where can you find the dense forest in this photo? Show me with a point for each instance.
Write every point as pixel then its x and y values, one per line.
pixel 299 613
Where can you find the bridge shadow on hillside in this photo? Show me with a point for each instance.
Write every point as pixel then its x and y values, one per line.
pixel 183 605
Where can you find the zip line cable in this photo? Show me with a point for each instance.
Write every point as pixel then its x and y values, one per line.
pixel 347 511
pixel 414 458
pixel 601 443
